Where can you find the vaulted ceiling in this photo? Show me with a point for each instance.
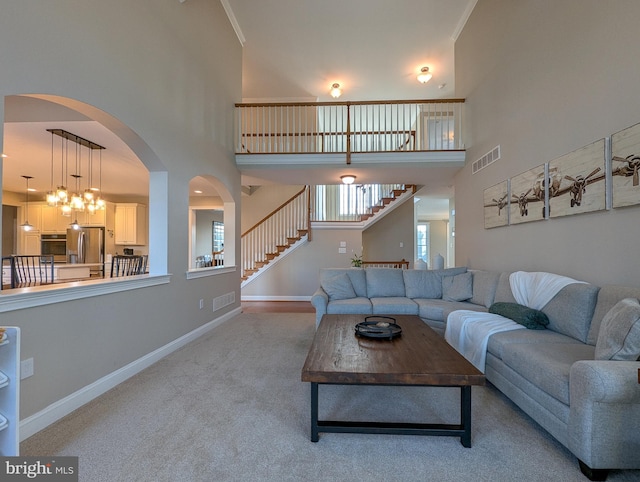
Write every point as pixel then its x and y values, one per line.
pixel 292 50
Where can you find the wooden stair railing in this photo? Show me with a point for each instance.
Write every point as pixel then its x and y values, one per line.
pixel 403 264
pixel 272 235
pixel 387 199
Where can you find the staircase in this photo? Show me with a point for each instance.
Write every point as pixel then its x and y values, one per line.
pixel 387 203
pixel 289 226
pixel 285 227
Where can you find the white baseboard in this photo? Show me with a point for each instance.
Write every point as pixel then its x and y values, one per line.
pixel 54 412
pixel 275 298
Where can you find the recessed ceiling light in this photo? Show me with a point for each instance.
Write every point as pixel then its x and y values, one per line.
pixel 197 191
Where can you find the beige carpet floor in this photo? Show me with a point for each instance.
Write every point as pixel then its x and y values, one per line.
pixel 230 406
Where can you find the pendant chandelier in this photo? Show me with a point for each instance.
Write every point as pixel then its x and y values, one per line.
pixel 26 226
pixel 89 199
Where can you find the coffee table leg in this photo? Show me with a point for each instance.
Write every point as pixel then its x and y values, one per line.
pixel 465 415
pixel 314 412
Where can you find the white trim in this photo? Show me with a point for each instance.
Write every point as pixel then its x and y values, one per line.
pixel 337 225
pixel 21 298
pixel 233 20
pixel 276 160
pixel 433 158
pixel 275 298
pixel 290 249
pixel 463 20
pixel 54 412
pixel 212 271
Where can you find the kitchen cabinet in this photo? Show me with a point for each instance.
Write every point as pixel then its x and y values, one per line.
pixel 9 391
pixel 131 224
pixel 33 214
pixel 53 222
pixel 31 242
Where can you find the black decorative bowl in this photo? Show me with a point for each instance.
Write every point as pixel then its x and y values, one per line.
pixel 380 327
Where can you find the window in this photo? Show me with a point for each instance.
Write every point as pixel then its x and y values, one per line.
pixel 422 242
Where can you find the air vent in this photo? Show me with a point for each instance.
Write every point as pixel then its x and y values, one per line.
pixel 224 300
pixel 489 158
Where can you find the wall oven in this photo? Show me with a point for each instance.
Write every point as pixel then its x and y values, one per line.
pixel 55 244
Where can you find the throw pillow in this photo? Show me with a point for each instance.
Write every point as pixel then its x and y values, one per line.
pixel 527 317
pixel 619 337
pixel 458 287
pixel 338 287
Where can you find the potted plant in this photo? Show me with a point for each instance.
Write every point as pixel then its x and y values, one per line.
pixel 356 260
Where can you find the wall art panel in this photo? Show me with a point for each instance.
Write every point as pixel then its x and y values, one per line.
pixel 625 162
pixel 577 181
pixel 496 205
pixel 528 196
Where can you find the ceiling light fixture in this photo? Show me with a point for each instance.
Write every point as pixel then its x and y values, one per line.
pixel 335 91
pixel 89 199
pixel 26 226
pixel 348 179
pixel 424 76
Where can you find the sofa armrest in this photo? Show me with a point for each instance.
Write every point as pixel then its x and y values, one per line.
pixel 320 300
pixel 604 413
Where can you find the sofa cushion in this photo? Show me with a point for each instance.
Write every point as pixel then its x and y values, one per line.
pixel 503 290
pixel 353 306
pixel 619 337
pixel 498 341
pixel 547 366
pixel 422 284
pixel 571 309
pixel 390 305
pixel 458 287
pixel 384 282
pixel 439 310
pixel 608 296
pixel 356 275
pixel 485 284
pixel 525 316
pixel 338 287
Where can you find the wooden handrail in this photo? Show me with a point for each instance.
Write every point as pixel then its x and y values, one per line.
pixel 361 102
pixel 274 211
pixel 388 264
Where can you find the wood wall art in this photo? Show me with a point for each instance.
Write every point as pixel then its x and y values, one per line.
pixel 527 196
pixel 577 181
pixel 625 162
pixel 496 205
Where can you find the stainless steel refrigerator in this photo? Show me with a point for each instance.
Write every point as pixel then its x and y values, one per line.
pixel 86 246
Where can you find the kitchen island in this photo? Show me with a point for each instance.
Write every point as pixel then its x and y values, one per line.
pixel 64 271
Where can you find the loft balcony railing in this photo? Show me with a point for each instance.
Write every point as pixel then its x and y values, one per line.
pixel 350 127
pixel 349 202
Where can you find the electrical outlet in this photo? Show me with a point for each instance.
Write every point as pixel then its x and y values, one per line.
pixel 26 368
pixel 201 304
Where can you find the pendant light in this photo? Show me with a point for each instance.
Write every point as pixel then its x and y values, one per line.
pixel 26 226
pixel 52 199
pixel 100 203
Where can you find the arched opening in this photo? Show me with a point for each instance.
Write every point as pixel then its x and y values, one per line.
pixel 211 224
pixel 127 172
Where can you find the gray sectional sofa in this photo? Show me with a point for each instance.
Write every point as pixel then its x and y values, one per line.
pixel 561 376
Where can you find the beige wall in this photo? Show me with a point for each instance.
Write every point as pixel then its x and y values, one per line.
pixel 170 72
pixel 541 79
pixel 263 201
pixel 296 275
pixel 382 240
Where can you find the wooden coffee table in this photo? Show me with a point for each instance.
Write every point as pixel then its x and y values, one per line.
pixel 419 357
